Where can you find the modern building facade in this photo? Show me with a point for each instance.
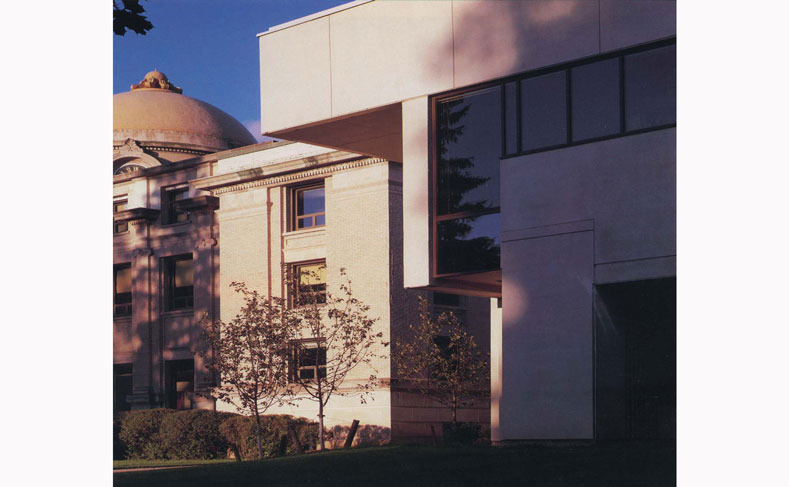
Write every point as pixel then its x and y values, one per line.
pixel 189 181
pixel 537 140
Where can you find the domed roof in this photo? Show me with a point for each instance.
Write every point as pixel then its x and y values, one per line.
pixel 155 113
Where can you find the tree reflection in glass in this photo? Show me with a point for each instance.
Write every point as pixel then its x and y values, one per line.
pixel 468 148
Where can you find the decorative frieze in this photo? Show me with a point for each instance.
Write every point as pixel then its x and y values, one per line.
pixel 298 176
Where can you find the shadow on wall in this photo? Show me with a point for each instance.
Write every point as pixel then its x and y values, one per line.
pixel 513 36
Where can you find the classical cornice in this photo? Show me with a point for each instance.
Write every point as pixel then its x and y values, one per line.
pixel 198 204
pixel 295 176
pixel 136 215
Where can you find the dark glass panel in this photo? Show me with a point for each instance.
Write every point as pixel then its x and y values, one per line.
pixel 651 88
pixel 595 95
pixel 310 201
pixel 510 118
pixel 468 148
pixel 469 244
pixel 320 220
pixel 544 111
pixel 122 374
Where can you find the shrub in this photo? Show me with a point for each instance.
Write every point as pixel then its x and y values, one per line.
pixel 366 435
pixel 194 434
pixel 461 433
pixel 118 449
pixel 240 432
pixel 139 433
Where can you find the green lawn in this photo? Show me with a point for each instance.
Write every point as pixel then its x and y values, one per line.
pixel 615 464
pixel 124 464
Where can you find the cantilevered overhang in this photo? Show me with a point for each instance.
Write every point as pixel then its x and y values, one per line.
pixel 376 133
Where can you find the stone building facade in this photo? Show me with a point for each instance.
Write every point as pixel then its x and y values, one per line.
pixel 270 208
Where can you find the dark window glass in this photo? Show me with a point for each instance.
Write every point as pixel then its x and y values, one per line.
pixel 544 111
pixel 309 360
pixel 117 207
pixel 468 149
pixel 122 386
pixel 310 207
pixel 510 118
pixel 179 382
pixel 179 282
pixel 468 244
pixel 171 213
pixel 122 295
pixel 310 284
pixel 595 95
pixel 651 88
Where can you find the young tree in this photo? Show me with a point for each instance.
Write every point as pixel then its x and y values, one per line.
pixel 440 358
pixel 249 355
pixel 339 336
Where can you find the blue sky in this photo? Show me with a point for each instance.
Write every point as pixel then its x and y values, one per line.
pixel 208 48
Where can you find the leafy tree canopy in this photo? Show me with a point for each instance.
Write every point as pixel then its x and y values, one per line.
pixel 129 17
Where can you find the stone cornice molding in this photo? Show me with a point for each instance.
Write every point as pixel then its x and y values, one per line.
pixel 310 173
pixel 198 205
pixel 136 216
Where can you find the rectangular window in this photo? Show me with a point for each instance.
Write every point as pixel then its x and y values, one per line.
pixel 544 111
pixel 117 207
pixel 170 214
pixel 309 205
pixel 470 244
pixel 651 88
pixel 446 299
pixel 308 360
pixel 122 386
pixel 595 95
pixel 122 294
pixel 179 282
pixel 179 383
pixel 309 284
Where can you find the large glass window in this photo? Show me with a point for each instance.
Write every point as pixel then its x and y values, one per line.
pixel 544 111
pixel 310 207
pixel 468 151
pixel 309 284
pixel 179 282
pixel 469 244
pixel 595 99
pixel 122 295
pixel 651 88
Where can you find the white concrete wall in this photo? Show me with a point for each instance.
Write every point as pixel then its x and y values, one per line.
pixel 573 217
pixel 383 52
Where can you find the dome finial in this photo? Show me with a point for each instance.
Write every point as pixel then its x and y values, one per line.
pixel 158 80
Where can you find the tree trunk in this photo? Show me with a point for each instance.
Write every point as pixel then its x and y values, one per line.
pixel 257 432
pixel 321 445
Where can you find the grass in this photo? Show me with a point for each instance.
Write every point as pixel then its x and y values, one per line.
pixel 613 464
pixel 124 464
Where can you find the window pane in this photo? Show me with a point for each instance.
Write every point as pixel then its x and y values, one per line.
pixel 595 95
pixel 468 148
pixel 312 274
pixel 184 274
pixel 651 88
pixel 511 118
pixel 320 220
pixel 468 244
pixel 310 201
pixel 123 280
pixel 544 111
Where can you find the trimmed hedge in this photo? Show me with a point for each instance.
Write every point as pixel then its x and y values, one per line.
pixel 240 432
pixel 154 434
pixel 194 434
